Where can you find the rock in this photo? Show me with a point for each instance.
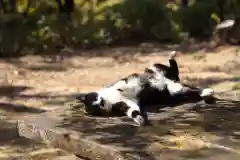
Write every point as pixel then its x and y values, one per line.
pixel 58 129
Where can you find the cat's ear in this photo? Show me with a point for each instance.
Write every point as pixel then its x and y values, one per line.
pixel 81 97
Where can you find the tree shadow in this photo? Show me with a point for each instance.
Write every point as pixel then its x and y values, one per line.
pixel 58 62
pixel 15 92
pixel 44 65
pixel 228 67
pixel 8 132
pixel 108 132
pixel 130 140
pixel 17 108
pixel 50 68
pixel 220 119
pixel 47 98
pixel 10 141
pixel 225 116
pixel 10 90
pixel 206 82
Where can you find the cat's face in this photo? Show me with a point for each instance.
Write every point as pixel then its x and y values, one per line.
pixel 94 103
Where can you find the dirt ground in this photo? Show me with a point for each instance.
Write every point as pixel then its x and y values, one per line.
pixel 32 84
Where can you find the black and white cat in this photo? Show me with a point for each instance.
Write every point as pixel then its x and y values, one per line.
pixel 159 84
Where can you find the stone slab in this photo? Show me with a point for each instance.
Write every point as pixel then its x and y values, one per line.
pixel 191 131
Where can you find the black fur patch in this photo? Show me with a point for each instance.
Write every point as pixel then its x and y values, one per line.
pixel 94 110
pixel 135 114
pixel 161 67
pixel 120 108
pixel 170 72
pixel 148 71
pixel 151 96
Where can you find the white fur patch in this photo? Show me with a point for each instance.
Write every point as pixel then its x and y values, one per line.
pixel 157 81
pixel 113 96
pixel 110 95
pixel 139 120
pixel 173 87
pixel 207 92
pixel 132 107
pixel 97 101
pixel 129 89
pixel 172 55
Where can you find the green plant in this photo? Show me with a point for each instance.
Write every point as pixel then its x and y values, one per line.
pixel 196 19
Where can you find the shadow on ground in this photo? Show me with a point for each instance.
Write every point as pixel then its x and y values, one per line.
pixel 9 135
pixel 206 82
pixel 11 144
pixel 18 108
pixel 15 93
pixel 54 61
pixel 10 90
pixel 220 120
pixel 193 120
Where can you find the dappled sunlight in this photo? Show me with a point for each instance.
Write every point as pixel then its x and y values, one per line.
pixel 190 130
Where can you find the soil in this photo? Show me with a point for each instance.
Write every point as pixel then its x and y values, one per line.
pixel 34 84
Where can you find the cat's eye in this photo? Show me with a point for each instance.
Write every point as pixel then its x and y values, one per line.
pixel 120 90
